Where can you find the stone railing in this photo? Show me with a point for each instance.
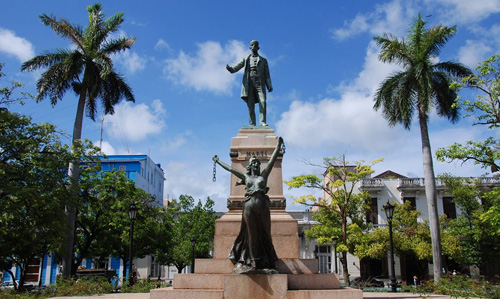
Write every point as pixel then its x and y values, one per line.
pixel 371 184
pixel 490 181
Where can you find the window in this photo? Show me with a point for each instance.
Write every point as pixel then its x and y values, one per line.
pixel 372 214
pixel 412 200
pixel 155 268
pixel 122 168
pixel 324 255
pixel 449 208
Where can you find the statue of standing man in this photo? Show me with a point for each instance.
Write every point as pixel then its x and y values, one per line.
pixel 256 79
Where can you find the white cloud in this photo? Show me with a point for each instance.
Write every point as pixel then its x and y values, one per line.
pixel 205 70
pixel 131 61
pixel 175 143
pixel 487 43
pixel 463 12
pixel 348 122
pixel 161 44
pixel 473 52
pixel 358 25
pixel 134 122
pixel 16 46
pixel 188 178
pixel 388 17
pixel 107 148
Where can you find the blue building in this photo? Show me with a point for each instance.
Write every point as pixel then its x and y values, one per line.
pixel 146 175
pixel 141 170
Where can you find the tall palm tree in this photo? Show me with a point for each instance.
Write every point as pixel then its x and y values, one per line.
pixel 88 70
pixel 422 83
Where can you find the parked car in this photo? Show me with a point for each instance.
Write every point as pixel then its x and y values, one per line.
pixel 366 282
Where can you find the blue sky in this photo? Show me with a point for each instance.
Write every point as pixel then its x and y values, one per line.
pixel 323 65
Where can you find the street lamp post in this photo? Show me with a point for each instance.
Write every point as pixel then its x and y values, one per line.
pixel 334 244
pixel 193 244
pixel 389 212
pixel 132 214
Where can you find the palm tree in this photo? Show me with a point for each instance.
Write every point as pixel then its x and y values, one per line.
pixel 422 84
pixel 88 70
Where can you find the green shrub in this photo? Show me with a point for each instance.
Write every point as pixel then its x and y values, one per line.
pixel 461 287
pixel 143 286
pixel 83 286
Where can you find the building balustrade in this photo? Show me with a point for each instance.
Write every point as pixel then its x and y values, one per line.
pixel 419 183
pixel 371 184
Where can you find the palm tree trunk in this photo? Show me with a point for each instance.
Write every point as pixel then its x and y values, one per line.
pixel 431 194
pixel 73 175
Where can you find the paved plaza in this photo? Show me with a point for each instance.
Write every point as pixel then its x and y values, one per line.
pixel 366 295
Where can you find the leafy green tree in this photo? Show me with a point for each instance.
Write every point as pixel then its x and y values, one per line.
pixel 422 84
pixel 342 212
pixel 492 215
pixel 103 224
pixel 190 222
pixel 478 238
pixel 411 238
pixel 32 190
pixel 7 92
pixel 485 108
pixel 86 68
pixel 144 242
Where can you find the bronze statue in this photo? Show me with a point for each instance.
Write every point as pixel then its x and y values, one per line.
pixel 253 250
pixel 256 78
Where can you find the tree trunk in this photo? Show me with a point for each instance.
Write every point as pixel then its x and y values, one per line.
pixel 344 253
pixel 345 269
pixel 22 277
pixel 124 273
pixel 431 194
pixel 180 267
pixel 70 209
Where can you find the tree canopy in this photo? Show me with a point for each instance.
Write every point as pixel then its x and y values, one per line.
pixel 32 190
pixel 342 212
pixel 191 222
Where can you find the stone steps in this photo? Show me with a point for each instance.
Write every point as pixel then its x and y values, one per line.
pixel 293 281
pixel 277 286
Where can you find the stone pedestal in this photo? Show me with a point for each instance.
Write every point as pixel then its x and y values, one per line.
pixel 259 142
pixel 298 278
pixel 284 232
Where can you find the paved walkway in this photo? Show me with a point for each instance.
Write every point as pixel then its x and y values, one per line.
pixel 366 295
pixel 382 295
pixel 111 296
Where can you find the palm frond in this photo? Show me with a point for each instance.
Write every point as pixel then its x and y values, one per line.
pixel 395 96
pixel 65 29
pixel 52 83
pixel 44 60
pixel 113 23
pixel 119 44
pixel 435 39
pixel 453 68
pixel 445 97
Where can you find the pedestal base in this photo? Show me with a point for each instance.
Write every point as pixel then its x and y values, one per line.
pixel 277 286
